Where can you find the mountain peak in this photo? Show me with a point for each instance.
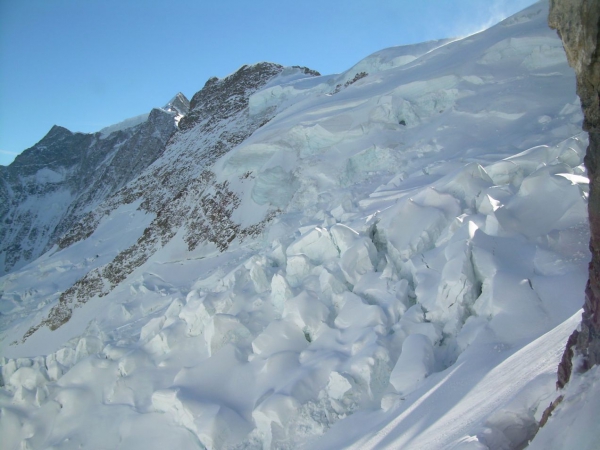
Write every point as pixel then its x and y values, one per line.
pixel 262 68
pixel 55 134
pixel 226 96
pixel 178 104
pixel 56 131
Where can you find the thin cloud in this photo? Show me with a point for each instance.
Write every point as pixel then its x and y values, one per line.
pixel 7 152
pixel 497 11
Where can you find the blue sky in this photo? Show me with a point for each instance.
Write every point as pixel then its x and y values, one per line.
pixel 86 64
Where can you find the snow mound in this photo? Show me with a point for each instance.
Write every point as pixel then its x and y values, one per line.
pixel 390 58
pixel 536 53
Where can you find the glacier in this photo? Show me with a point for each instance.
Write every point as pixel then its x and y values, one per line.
pixel 390 257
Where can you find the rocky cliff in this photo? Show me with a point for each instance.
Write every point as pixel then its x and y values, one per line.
pixel 578 24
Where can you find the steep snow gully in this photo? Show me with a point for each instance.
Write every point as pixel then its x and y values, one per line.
pixel 391 257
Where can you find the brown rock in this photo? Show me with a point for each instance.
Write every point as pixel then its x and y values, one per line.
pixel 578 25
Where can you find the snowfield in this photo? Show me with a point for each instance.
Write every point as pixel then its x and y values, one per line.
pixel 414 289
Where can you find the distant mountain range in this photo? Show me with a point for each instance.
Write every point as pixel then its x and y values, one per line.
pixel 52 185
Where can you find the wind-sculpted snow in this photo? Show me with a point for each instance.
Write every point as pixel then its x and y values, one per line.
pixel 396 265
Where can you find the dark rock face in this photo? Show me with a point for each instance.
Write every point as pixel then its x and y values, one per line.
pixel 578 24
pixel 50 186
pixel 221 99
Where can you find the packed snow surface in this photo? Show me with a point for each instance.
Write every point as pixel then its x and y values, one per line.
pixel 415 290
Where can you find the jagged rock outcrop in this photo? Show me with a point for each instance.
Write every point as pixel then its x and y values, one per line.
pixel 50 186
pixel 578 24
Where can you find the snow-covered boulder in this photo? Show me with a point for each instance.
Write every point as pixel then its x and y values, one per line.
pixel 416 362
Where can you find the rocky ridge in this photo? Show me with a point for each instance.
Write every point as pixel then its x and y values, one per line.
pixel 578 24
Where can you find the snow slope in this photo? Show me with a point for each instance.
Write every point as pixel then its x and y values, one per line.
pixel 576 413
pixel 419 262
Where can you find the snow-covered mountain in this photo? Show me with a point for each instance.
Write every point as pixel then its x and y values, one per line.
pixel 391 257
pixel 50 186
